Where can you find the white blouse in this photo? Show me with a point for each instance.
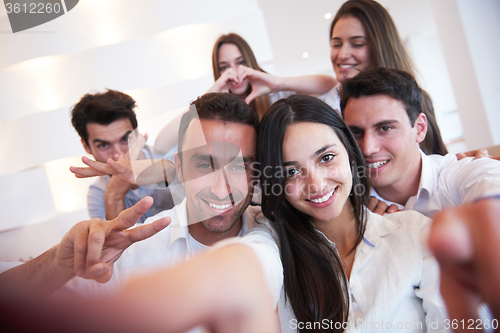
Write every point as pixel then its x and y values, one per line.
pixel 394 282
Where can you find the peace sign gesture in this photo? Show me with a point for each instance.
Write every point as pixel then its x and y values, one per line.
pixel 91 247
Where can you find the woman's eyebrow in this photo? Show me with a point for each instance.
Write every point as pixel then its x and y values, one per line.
pixel 322 150
pixel 353 37
pixel 316 153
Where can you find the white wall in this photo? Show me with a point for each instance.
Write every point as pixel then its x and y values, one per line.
pixel 158 51
pixel 470 34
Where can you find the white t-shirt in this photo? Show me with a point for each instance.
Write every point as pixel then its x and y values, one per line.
pixel 331 97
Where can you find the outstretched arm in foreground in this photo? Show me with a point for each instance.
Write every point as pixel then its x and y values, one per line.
pixel 88 250
pixel 466 242
pixel 223 290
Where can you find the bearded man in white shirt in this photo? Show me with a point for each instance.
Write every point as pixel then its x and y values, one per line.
pixel 382 107
pixel 217 140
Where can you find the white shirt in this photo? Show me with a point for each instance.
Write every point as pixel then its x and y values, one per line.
pixel 331 97
pixel 447 182
pixel 394 278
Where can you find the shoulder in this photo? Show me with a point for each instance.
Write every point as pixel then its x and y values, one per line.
pixel 331 98
pixel 274 96
pixel 259 224
pixel 409 222
pixel 400 236
pixel 407 217
pixel 450 163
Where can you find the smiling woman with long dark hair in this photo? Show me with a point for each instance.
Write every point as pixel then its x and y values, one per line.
pixel 341 264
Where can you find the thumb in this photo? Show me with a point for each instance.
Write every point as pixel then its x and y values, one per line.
pixel 253 95
pixel 100 272
pixel 130 216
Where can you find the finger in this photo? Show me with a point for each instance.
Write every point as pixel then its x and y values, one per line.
pixel 381 208
pixel 136 142
pixel 392 209
pixel 148 230
pixel 481 153
pixel 231 80
pixel 485 227
pixel 460 156
pixel 80 236
pixel 372 204
pixel 244 72
pixel 84 172
pixel 117 167
pixel 100 272
pixel 450 239
pixel 130 216
pixel 253 95
pixel 123 172
pixel 461 302
pixel 95 242
pixel 102 167
pixel 230 71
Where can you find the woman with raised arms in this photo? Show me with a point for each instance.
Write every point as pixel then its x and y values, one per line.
pixel 362 35
pixel 236 71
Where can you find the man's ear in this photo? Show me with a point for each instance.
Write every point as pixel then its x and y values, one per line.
pixel 86 147
pixel 421 127
pixel 178 168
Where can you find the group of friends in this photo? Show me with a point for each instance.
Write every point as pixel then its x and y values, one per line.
pixel 281 204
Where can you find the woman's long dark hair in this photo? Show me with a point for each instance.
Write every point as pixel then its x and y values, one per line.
pixel 314 281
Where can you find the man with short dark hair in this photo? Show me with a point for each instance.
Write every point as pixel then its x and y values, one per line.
pixel 104 122
pixel 218 144
pixel 383 110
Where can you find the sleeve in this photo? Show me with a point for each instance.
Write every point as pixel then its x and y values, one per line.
pixel 273 97
pixel 473 179
pixel 170 155
pixel 332 98
pixel 261 240
pixel 429 288
pixel 95 201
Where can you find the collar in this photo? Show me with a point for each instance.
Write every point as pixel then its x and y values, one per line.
pixel 378 226
pixel 179 225
pixel 428 176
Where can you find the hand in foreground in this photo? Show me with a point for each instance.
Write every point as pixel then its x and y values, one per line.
pixel 91 247
pixel 466 243
pixel 380 207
